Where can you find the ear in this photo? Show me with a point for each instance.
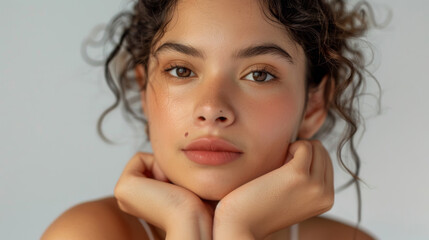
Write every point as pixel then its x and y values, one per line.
pixel 141 81
pixel 140 75
pixel 316 109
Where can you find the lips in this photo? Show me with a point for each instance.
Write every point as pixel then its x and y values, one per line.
pixel 211 151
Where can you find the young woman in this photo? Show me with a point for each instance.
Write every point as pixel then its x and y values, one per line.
pixel 233 94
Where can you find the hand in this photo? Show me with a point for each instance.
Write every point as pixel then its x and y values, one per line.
pixel 145 192
pixel 301 188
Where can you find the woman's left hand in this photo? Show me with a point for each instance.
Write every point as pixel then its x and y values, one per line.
pixel 300 189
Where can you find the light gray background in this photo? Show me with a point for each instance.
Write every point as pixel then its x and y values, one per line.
pixel 51 157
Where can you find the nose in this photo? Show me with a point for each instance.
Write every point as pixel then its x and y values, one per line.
pixel 213 107
pixel 217 116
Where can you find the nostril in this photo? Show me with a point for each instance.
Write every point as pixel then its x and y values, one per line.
pixel 201 118
pixel 222 119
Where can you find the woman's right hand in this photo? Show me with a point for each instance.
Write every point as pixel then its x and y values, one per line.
pixel 144 191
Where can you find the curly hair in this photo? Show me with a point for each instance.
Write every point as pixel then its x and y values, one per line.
pixel 324 29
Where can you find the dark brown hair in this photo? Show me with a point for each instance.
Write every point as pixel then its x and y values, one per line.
pixel 326 30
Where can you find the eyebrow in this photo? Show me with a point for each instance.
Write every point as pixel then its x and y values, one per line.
pixel 269 48
pixel 251 51
pixel 182 48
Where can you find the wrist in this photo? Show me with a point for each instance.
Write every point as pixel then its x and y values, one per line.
pixel 226 227
pixel 189 225
pixel 230 224
pixel 232 232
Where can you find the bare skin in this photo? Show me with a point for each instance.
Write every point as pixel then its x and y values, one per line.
pixel 106 219
pixel 103 220
pixel 222 86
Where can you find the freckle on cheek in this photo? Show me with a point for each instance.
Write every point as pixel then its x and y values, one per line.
pixel 186 134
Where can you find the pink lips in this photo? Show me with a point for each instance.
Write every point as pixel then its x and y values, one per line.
pixel 211 151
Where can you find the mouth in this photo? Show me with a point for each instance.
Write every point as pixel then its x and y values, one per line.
pixel 211 151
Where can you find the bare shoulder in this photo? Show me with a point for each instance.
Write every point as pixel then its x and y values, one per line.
pixel 325 228
pixel 99 219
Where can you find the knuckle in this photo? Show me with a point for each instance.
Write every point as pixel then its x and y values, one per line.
pixel 324 198
pixel 316 142
pixel 317 189
pixel 125 193
pixel 306 145
pixel 139 155
pixel 121 205
pixel 301 144
pixel 118 191
pixel 327 202
pixel 120 199
pixel 121 190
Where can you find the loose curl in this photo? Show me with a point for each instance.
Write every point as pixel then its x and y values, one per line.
pixel 324 29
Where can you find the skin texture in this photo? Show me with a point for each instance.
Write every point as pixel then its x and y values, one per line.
pixel 269 113
pixel 216 95
pixel 275 183
pixel 102 219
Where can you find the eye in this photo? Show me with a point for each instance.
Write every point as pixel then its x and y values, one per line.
pixel 180 72
pixel 259 76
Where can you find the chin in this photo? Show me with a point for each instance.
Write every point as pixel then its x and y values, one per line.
pixel 211 195
pixel 214 191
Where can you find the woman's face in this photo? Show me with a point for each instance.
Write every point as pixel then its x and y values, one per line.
pixel 222 71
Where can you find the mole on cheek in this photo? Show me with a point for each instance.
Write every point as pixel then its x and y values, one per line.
pixel 186 134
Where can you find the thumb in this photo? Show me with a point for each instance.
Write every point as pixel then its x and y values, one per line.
pixel 300 154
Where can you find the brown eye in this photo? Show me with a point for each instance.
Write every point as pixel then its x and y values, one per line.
pixel 259 76
pixel 181 72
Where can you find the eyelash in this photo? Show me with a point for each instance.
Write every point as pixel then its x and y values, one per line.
pixel 175 66
pixel 262 70
pixel 257 69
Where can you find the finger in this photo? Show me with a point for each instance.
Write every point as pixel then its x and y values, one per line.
pixel 329 175
pixel 318 165
pixel 140 196
pixel 157 202
pixel 158 174
pixel 139 165
pixel 302 155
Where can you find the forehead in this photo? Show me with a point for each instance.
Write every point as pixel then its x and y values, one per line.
pixel 224 25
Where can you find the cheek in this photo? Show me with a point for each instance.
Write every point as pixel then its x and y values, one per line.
pixel 166 117
pixel 277 117
pixel 271 124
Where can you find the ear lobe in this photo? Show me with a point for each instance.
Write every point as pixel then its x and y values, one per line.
pixel 140 76
pixel 316 110
pixel 141 81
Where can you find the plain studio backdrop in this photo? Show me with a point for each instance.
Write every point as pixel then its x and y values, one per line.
pixel 51 157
